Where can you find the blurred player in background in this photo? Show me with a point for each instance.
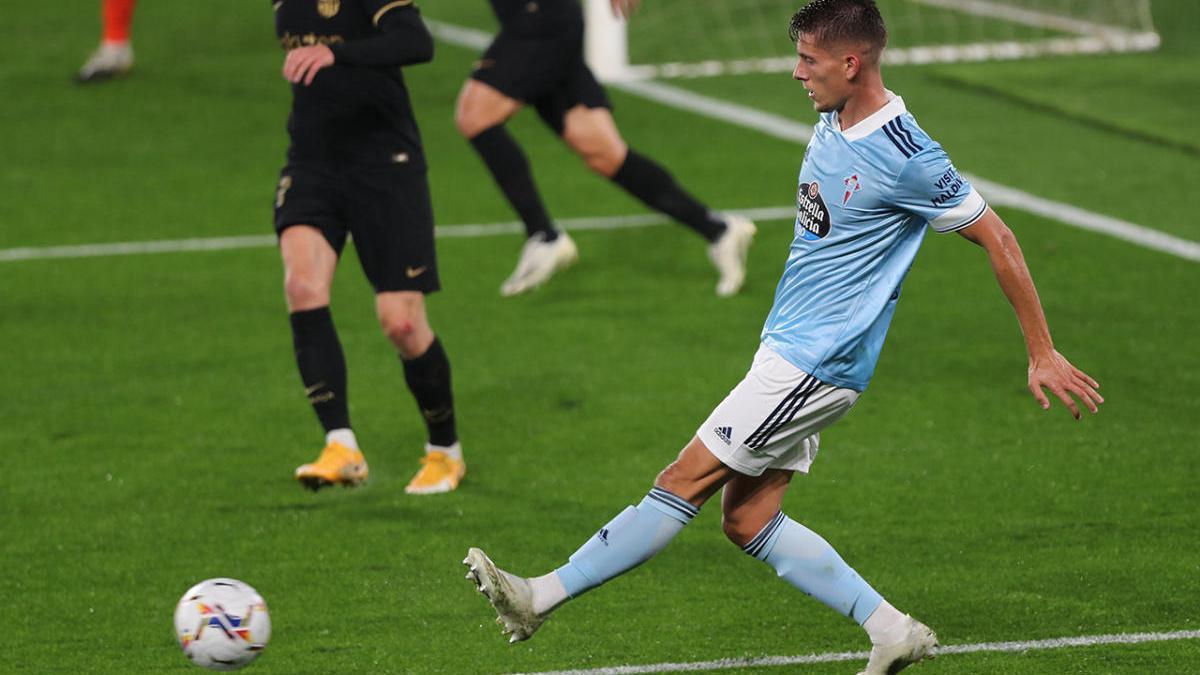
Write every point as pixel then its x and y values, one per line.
pixel 537 59
pixel 114 56
pixel 356 167
pixel 871 183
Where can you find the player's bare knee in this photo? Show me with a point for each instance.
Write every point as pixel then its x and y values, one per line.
pixel 469 123
pixel 673 480
pixel 407 328
pixel 473 117
pixel 305 292
pixel 737 530
pixel 605 162
pixel 399 327
pixel 602 155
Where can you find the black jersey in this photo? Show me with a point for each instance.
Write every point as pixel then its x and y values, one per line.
pixel 538 18
pixel 358 109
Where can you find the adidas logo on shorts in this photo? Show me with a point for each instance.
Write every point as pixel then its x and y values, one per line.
pixel 724 433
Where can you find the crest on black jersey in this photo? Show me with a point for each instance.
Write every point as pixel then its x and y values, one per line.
pixel 328 8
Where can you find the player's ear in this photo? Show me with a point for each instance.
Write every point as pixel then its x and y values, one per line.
pixel 851 65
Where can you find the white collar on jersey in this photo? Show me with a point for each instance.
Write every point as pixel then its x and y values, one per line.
pixel 894 106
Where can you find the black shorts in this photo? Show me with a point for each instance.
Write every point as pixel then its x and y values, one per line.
pixel 547 72
pixel 385 208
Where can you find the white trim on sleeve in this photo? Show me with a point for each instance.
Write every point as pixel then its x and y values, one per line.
pixel 968 211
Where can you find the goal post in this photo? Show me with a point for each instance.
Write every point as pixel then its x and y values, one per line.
pixel 606 42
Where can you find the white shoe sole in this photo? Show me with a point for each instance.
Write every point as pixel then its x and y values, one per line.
pixel 514 606
pixel 440 488
pixel 919 645
pixel 352 475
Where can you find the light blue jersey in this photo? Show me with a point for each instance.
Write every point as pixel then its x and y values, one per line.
pixel 865 198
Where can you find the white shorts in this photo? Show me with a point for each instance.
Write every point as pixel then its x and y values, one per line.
pixel 772 418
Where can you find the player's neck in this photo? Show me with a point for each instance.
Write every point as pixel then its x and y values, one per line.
pixel 868 100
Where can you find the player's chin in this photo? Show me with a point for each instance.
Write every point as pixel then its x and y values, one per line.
pixel 819 106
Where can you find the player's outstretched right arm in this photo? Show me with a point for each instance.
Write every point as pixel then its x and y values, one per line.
pixel 1047 368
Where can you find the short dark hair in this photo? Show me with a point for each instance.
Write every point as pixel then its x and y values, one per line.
pixel 834 21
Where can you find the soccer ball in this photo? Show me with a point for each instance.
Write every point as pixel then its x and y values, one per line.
pixel 222 624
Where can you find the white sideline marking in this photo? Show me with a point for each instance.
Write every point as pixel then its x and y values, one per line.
pixel 124 248
pixel 725 111
pixel 136 248
pixel 791 130
pixel 459 35
pixel 833 657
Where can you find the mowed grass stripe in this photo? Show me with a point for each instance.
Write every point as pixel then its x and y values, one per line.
pixel 834 657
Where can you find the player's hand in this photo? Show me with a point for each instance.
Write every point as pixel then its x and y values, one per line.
pixel 625 8
pixel 1055 373
pixel 302 63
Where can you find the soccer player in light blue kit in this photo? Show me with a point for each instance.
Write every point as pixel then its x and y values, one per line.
pixel 871 183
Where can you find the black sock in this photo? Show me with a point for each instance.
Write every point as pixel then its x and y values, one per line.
pixel 510 169
pixel 649 182
pixel 428 378
pixel 322 366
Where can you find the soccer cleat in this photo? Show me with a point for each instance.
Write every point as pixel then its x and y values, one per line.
pixel 890 659
pixel 439 473
pixel 728 254
pixel 107 62
pixel 511 596
pixel 540 259
pixel 337 465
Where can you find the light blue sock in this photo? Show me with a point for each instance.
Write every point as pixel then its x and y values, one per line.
pixel 808 562
pixel 627 541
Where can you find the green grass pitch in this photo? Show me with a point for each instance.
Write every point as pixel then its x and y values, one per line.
pixel 152 416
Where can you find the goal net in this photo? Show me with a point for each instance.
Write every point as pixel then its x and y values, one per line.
pixel 697 38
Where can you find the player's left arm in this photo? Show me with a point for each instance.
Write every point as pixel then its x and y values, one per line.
pixel 1047 368
pixel 402 39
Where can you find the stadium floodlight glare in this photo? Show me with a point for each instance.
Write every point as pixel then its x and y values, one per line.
pixel 685 38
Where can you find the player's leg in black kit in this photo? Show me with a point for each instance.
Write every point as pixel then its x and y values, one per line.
pixel 480 116
pixel 392 225
pixel 426 366
pixel 427 373
pixel 592 134
pixel 588 127
pixel 309 263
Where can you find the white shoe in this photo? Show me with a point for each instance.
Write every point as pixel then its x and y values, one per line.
pixel 511 596
pixel 728 254
pixel 108 61
pixel 540 259
pixel 890 659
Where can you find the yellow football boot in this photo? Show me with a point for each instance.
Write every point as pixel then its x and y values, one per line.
pixel 337 465
pixel 440 472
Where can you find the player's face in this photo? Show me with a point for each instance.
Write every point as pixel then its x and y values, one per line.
pixel 823 74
